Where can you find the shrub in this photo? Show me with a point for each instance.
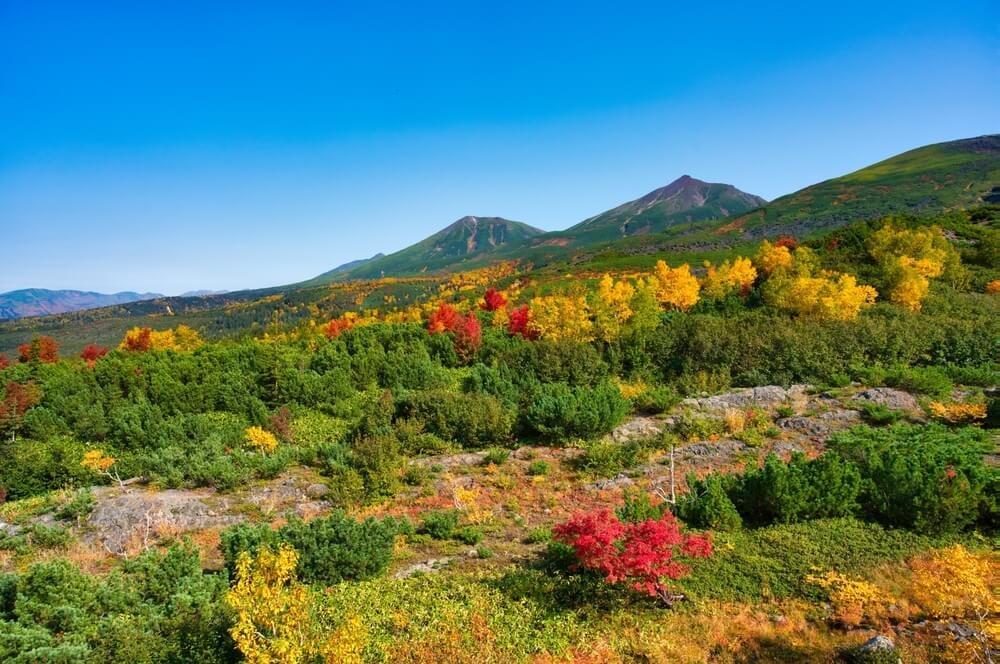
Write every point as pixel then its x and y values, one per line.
pixel 880 414
pixel 707 505
pixel 539 535
pixel 640 555
pixel 927 478
pixel 469 535
pixel 560 412
pixel 607 458
pixel 638 508
pixel 470 419
pixel 691 425
pixel 537 468
pixel 378 462
pixel 79 506
pixel 439 524
pixel 496 456
pixel 331 549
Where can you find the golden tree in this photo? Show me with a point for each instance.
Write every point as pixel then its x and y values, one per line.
pixel 612 307
pixel 276 620
pixel 772 258
pixel 675 288
pixel 561 318
pixel 910 258
pixel 735 277
pixel 829 297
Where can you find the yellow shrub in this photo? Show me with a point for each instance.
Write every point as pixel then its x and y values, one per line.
pixel 561 318
pixel 957 413
pixel 956 583
pixel 993 288
pixel 771 259
pixel 853 599
pixel 264 441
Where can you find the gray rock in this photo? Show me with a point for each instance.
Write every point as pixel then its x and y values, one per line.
pixel 9 529
pixel 618 481
pixel 888 397
pixel 878 643
pixel 768 396
pixel 820 425
pixel 427 567
pixel 134 520
pixel 638 428
pixel 317 490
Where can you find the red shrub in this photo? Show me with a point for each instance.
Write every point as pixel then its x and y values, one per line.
pixel 445 319
pixel 638 554
pixel 41 349
pixel 139 343
pixel 338 326
pixel 493 300
pixel 92 353
pixel 517 324
pixel 789 242
pixel 4 362
pixel 468 336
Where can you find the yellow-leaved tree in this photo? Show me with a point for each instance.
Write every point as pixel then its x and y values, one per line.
pixel 561 318
pixel 771 258
pixel 830 296
pixel 277 621
pixel 612 307
pixel 735 277
pixel 910 258
pixel 262 440
pixel 675 287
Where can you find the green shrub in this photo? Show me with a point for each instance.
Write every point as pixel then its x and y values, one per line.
pixel 879 414
pixel 638 508
pixel 608 458
pixel 539 535
pixel 496 456
pixel 439 524
pixel 79 506
pixel 378 462
pixel 691 425
pixel 331 549
pixel 932 381
pixel 928 478
pixel 469 535
pixel 560 412
pixel 657 399
pixel 707 505
pixel 470 419
pixel 536 468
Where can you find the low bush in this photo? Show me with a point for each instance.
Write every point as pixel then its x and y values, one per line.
pixel 439 524
pixel 331 549
pixel 470 419
pixel 559 412
pixel 927 478
pixel 608 458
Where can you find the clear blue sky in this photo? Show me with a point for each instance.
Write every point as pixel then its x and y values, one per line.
pixel 233 145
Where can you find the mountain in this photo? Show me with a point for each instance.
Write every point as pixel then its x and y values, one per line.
pixel 41 302
pixel 466 239
pixel 928 180
pixel 684 200
pixel 346 267
pixel 202 293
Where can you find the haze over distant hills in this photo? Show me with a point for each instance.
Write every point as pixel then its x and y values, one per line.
pixel 41 301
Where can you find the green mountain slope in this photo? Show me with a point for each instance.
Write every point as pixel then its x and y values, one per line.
pixel 467 239
pixel 684 200
pixel 929 180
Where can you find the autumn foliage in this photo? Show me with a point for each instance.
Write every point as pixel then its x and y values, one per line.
pixel 676 288
pixel 519 323
pixel 493 300
pixel 141 340
pixel 92 353
pixel 638 554
pixel 41 349
pixel 17 399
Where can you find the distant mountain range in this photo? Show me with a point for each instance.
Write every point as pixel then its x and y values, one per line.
pixel 687 215
pixel 42 302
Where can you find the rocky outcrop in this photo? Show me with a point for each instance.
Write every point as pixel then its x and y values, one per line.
pixel 888 397
pixel 768 397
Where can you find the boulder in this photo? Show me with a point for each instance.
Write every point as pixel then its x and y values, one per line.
pixel 131 521
pixel 888 397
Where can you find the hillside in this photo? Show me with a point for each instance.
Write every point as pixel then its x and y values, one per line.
pixel 43 302
pixel 926 181
pixel 684 200
pixel 466 239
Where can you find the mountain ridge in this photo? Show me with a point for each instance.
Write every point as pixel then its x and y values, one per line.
pixel 26 302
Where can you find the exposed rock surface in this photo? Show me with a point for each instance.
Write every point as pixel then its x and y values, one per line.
pixel 768 396
pixel 426 567
pixel 888 397
pixel 638 428
pixel 133 519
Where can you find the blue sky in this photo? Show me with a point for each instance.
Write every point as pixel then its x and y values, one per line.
pixel 247 144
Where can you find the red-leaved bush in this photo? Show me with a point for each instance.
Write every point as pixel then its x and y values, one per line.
pixel 468 336
pixel 639 554
pixel 493 300
pixel 517 323
pixel 41 349
pixel 4 362
pixel 445 319
pixel 337 326
pixel 92 353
